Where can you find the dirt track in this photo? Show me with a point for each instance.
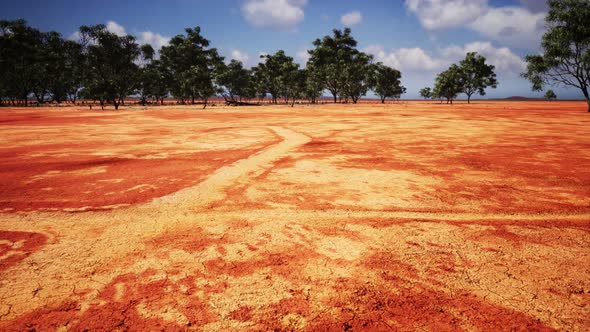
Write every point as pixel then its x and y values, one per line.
pixel 404 216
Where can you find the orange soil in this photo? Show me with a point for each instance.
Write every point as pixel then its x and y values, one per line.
pixel 402 216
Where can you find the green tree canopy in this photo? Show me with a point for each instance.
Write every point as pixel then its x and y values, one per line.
pixel 276 73
pixel 565 59
pixel 330 58
pixel 110 76
pixel 448 84
pixel 476 75
pixel 235 82
pixel 550 95
pixel 387 82
pixel 426 93
pixel 314 85
pixel 191 66
pixel 358 76
pixel 21 57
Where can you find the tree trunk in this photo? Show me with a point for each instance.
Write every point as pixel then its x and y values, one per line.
pixel 468 99
pixel 587 95
pixel 335 97
pixel 382 100
pixel 205 105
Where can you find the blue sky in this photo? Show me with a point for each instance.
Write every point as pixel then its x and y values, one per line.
pixel 419 37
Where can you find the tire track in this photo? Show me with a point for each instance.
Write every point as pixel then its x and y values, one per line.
pixel 212 189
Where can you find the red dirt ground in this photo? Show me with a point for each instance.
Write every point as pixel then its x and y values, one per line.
pixel 405 216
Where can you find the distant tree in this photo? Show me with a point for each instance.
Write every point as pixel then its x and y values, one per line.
pixel 235 82
pixel 330 58
pixel 358 76
pixel 566 49
pixel 46 59
pixel 20 52
pixel 448 84
pixel 259 81
pixel 550 95
pixel 74 67
pixel 59 69
pixel 191 66
pixel 295 87
pixel 426 93
pixel 476 75
pixel 157 81
pixel 387 82
pixel 145 73
pixel 276 71
pixel 112 71
pixel 314 86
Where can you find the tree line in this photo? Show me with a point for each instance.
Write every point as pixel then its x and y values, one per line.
pixel 104 67
pixel 471 76
pixel 564 60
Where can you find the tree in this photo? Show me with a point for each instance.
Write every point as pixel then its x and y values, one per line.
pixel 276 75
pixel 550 95
pixel 191 65
pixel 314 86
pixel 145 74
pixel 235 82
pixel 448 84
pixel 156 81
pixel 20 52
pixel 330 58
pixel 295 86
pixel 565 59
pixel 74 66
pixel 476 75
pixel 426 93
pixel 386 82
pixel 358 76
pixel 112 72
pixel 259 82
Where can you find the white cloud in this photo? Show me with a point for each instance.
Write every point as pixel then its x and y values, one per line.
pixel 440 14
pixel 302 56
pixel 520 27
pixel 154 39
pixel 241 56
pixel 511 25
pixel 116 28
pixel 353 18
pixel 143 37
pixel 406 59
pixel 502 58
pixel 418 60
pixel 276 14
pixel 75 36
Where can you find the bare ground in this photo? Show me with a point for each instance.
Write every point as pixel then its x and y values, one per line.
pixel 407 216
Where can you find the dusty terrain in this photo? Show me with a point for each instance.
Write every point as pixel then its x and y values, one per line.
pixel 405 216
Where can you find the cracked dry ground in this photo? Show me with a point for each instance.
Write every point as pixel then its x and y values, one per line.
pixel 406 216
